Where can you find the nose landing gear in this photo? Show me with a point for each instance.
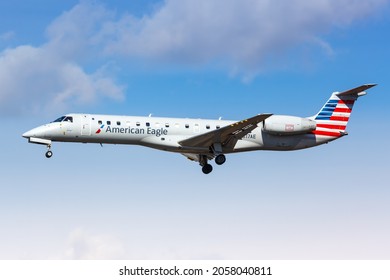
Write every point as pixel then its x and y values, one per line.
pixel 49 153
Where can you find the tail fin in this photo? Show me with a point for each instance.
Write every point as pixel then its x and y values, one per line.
pixel 332 119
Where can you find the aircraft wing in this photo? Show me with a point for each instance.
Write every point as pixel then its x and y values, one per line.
pixel 227 135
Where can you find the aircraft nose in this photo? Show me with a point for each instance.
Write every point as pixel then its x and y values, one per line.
pixel 27 134
pixel 35 132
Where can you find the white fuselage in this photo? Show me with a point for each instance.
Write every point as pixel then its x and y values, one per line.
pixel 162 133
pixel 203 140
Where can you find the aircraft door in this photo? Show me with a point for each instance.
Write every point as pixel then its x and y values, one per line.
pixel 85 125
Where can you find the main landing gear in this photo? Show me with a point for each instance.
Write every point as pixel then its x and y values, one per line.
pixel 49 153
pixel 220 159
pixel 206 167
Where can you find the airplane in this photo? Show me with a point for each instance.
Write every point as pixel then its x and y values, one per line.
pixel 202 140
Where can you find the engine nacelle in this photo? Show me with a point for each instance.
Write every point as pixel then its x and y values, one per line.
pixel 288 125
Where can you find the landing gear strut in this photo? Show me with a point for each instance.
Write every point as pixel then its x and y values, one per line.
pixel 49 153
pixel 206 167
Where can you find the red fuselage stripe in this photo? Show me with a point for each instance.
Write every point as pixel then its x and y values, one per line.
pixel 332 126
pixel 326 133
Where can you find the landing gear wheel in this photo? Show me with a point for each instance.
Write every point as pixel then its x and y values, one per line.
pixel 207 168
pixel 220 159
pixel 49 154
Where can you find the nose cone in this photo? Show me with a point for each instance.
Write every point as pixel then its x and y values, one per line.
pixel 27 134
pixel 38 132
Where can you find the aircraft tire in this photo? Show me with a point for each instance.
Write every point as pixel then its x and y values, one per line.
pixel 220 159
pixel 49 154
pixel 207 168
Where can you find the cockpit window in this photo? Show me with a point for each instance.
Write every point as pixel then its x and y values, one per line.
pixel 68 119
pixel 64 119
pixel 60 119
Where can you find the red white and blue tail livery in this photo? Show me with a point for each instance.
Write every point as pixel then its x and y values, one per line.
pixel 202 140
pixel 332 119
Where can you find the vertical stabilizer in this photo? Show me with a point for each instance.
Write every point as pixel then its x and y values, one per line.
pixel 333 118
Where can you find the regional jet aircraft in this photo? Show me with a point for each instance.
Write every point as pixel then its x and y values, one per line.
pixel 202 140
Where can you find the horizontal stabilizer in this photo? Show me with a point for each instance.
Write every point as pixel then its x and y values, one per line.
pixel 356 91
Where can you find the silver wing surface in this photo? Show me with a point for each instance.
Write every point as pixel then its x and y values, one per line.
pixel 226 136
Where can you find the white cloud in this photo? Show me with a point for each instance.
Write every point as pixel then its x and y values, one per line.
pixel 242 34
pixel 85 246
pixel 51 77
pixel 72 33
pixel 245 37
pixel 35 79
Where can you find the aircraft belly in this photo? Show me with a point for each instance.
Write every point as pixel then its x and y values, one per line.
pixel 100 138
pixel 287 143
pixel 166 143
pixel 243 145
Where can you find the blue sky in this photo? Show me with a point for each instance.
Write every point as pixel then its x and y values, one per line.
pixel 193 59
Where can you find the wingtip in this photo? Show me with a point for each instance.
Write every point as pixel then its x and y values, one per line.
pixel 370 85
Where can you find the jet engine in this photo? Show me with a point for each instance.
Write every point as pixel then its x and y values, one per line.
pixel 288 125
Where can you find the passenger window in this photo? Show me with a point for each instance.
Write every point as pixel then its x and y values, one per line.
pixel 138 124
pixel 207 126
pixel 167 125
pixel 108 122
pixel 118 123
pixel 100 122
pixel 218 127
pixel 147 124
pixel 187 125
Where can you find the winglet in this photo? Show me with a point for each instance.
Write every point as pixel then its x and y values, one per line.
pixel 356 91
